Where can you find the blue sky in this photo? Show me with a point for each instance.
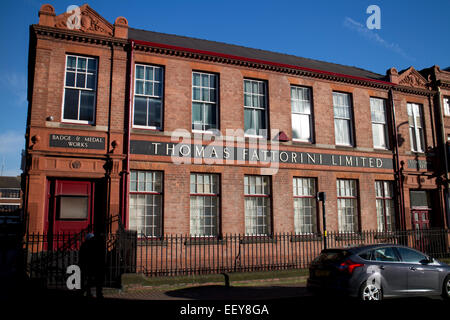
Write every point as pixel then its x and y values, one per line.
pixel 412 33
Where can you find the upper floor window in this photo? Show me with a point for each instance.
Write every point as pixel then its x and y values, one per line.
pixel 204 101
pixel 80 89
pixel 148 93
pixel 10 193
pixel 415 120
pixel 255 108
pixel 447 106
pixel 343 127
pixel 301 113
pixel 379 123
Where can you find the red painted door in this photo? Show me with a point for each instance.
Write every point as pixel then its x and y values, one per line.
pixel 70 209
pixel 420 219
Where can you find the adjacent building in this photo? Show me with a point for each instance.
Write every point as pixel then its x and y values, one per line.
pixel 175 135
pixel 10 201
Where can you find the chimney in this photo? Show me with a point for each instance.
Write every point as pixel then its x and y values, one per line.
pixel 47 15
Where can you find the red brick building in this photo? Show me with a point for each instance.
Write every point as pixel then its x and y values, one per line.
pixel 177 135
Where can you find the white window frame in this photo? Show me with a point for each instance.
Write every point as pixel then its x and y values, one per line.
pixel 251 107
pixel 263 201
pixel 446 103
pixel 213 194
pixel 378 122
pixel 160 97
pixel 416 129
pixel 348 119
pixel 94 111
pixel 214 104
pixel 153 192
pixel 304 189
pixel 347 198
pixel 308 114
pixel 384 194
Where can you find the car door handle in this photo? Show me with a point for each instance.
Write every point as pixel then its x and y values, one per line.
pixel 412 268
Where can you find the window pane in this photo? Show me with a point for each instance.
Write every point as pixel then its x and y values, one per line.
pixel 133 181
pixel 139 72
pixel 384 254
pixel 379 137
pixel 87 105
pixel 260 121
pixel 90 81
pixel 342 132
pixel 71 63
pixel 139 87
pixel 301 127
pixel 73 208
pixel 81 64
pixel 70 79
pixel 81 80
pixel 148 88
pixel 210 116
pixel 158 74
pixel 205 80
pixel 71 97
pixel 196 94
pixel 447 106
pixel 249 122
pixel 247 86
pixel 205 94
pixel 197 116
pixel 196 78
pixel 140 111
pixel 92 65
pixel 411 256
pixel 155 113
pixel 148 73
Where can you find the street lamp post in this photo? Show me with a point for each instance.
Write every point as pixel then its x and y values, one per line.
pixel 321 196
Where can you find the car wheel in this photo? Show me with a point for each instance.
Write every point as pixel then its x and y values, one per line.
pixel 446 288
pixel 370 291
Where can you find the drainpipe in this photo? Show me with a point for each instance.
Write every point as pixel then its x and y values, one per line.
pixel 444 147
pixel 397 164
pixel 126 171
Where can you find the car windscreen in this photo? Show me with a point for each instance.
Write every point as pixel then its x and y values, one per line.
pixel 332 256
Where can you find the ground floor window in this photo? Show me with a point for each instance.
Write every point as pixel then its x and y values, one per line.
pixel 347 198
pixel 146 203
pixel 305 213
pixel 385 205
pixel 204 205
pixel 257 205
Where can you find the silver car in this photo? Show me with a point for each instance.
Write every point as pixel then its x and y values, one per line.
pixel 379 271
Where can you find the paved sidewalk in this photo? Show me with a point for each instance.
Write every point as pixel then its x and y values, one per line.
pixel 264 291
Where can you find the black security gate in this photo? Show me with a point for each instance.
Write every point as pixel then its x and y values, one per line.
pixel 120 256
pixel 49 263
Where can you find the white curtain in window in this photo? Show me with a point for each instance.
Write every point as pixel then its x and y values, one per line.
pixel 342 132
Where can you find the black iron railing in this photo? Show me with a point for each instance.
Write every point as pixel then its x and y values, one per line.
pixel 127 252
